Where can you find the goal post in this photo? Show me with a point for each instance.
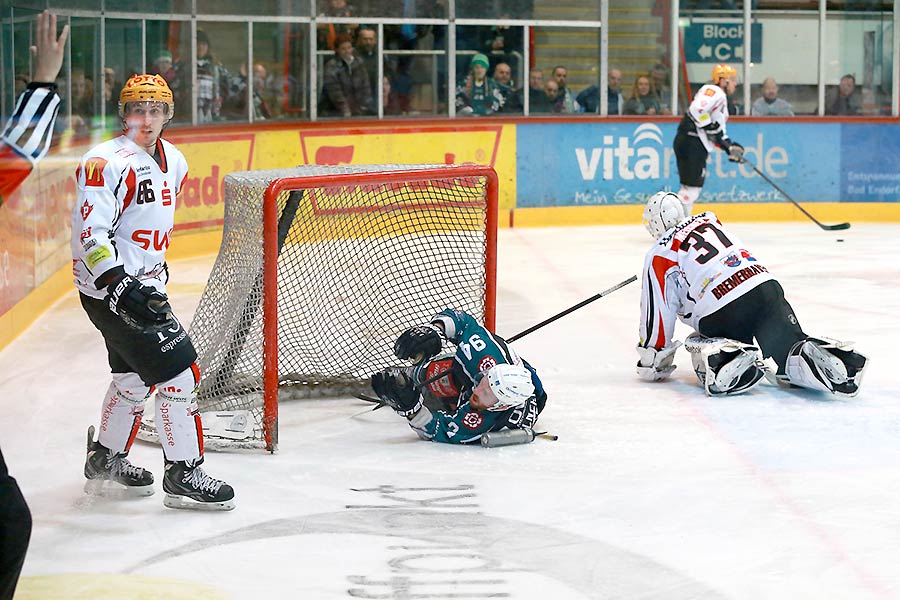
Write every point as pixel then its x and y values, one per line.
pixel 320 269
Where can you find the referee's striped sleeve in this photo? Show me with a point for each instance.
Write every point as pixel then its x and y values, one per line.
pixel 30 129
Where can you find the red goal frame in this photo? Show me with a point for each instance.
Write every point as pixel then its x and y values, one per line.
pixel 270 258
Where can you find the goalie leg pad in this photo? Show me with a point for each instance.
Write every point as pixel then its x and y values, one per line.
pixel 724 366
pixel 123 408
pixel 826 365
pixel 178 416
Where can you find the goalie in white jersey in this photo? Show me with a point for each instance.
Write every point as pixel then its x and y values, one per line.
pixel 702 128
pixel 702 274
pixel 121 228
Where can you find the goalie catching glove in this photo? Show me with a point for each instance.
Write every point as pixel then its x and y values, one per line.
pixel 656 365
pixel 395 387
pixel 140 306
pixel 419 343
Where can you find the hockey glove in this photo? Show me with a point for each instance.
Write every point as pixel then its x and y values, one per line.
pixel 396 389
pixel 418 343
pixel 140 306
pixel 656 365
pixel 736 153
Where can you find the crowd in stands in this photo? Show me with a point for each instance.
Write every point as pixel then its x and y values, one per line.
pixel 491 76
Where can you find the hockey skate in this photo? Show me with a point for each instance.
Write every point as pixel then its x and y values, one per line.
pixel 188 486
pixel 112 475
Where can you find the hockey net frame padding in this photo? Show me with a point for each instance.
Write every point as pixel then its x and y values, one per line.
pixel 320 268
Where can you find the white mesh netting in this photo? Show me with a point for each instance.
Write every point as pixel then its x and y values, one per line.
pixel 357 264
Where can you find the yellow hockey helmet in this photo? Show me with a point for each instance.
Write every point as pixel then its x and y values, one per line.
pixel 146 88
pixel 723 71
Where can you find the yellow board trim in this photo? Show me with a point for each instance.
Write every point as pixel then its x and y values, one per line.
pixel 824 212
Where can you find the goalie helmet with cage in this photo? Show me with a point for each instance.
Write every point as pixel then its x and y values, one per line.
pixel 146 88
pixel 664 211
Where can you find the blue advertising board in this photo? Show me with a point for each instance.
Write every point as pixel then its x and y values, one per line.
pixel 589 164
pixel 870 170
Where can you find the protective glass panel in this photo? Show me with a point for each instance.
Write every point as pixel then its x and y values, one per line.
pixel 415 70
pixel 85 90
pixel 221 55
pixel 124 7
pixel 281 8
pixel 858 63
pixel 169 55
pixel 123 58
pixel 780 87
pixel 528 9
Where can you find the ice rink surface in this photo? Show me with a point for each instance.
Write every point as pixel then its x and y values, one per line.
pixel 652 490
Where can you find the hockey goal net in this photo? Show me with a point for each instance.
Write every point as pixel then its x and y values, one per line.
pixel 320 269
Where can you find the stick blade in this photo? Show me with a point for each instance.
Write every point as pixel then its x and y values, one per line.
pixel 838 227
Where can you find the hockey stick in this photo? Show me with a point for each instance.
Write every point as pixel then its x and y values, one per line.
pixel 838 227
pixel 534 328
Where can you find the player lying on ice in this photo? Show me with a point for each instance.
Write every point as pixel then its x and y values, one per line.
pixel 701 273
pixel 487 386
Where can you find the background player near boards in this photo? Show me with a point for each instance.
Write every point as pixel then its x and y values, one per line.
pixel 487 386
pixel 703 274
pixel 702 129
pixel 24 142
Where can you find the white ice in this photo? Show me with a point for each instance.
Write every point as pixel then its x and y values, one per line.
pixel 651 491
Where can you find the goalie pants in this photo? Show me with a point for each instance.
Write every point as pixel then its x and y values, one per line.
pixel 761 313
pixel 15 531
pixel 156 356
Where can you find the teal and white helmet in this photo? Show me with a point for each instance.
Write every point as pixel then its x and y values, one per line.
pixel 511 384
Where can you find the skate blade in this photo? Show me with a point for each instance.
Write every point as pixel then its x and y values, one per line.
pixel 185 503
pixel 116 491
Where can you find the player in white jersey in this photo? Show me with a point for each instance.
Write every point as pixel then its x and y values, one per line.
pixel 121 227
pixel 704 275
pixel 702 128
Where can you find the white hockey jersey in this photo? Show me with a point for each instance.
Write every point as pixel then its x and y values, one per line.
pixel 695 269
pixel 710 105
pixel 125 212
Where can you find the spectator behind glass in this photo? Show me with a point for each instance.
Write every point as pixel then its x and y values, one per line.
pixel 512 103
pixel 82 103
pixel 478 94
pixel 367 52
pixel 345 86
pixel 110 100
pixel 770 105
pixel 588 100
pixel 327 34
pixel 844 100
pixel 565 101
pixel 555 101
pixel 537 97
pixel 642 101
pixel 659 86
pixel 212 81
pixel 238 92
pixel 164 66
